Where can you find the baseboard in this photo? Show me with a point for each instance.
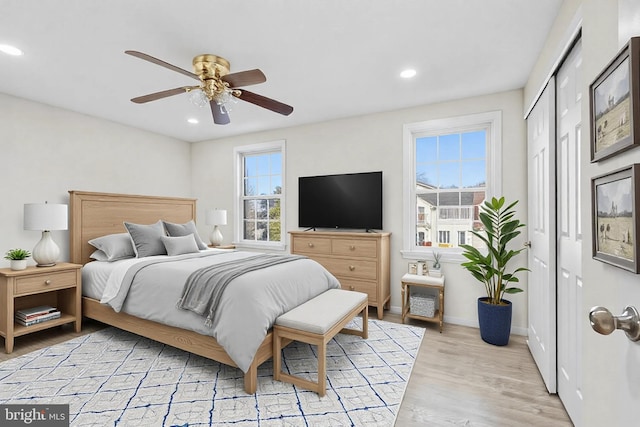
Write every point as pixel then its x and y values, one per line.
pixel 515 330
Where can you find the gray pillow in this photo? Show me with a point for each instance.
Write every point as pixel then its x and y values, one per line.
pixel 147 239
pixel 115 246
pixel 180 245
pixel 176 230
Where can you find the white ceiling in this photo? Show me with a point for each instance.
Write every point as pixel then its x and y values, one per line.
pixel 328 59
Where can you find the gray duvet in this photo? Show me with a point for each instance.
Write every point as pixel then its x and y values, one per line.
pixel 150 288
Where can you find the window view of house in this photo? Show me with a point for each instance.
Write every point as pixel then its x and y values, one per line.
pixel 451 183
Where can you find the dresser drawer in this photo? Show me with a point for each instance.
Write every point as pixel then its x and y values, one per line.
pixel 44 282
pixel 350 268
pixel 311 245
pixel 368 288
pixel 355 247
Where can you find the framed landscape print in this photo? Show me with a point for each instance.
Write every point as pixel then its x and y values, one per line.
pixel 614 100
pixel 615 217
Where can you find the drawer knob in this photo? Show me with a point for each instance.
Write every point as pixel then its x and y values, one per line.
pixel 310 244
pixel 352 267
pixel 47 282
pixel 351 288
pixel 352 247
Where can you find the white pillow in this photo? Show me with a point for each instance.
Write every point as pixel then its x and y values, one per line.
pixel 146 238
pixel 180 245
pixel 114 246
pixel 176 230
pixel 98 255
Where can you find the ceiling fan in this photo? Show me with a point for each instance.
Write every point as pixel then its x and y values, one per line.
pixel 217 86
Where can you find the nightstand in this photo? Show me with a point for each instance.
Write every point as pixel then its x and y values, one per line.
pixel 58 286
pixel 223 246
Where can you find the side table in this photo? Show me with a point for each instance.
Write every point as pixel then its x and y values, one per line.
pixel 58 286
pixel 409 280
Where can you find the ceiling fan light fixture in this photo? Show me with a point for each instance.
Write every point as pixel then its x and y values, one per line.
pixel 198 98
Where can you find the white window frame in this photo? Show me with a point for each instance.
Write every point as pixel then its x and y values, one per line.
pixel 493 121
pixel 239 154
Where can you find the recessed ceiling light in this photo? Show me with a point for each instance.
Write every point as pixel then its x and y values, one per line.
pixel 10 50
pixel 193 121
pixel 408 73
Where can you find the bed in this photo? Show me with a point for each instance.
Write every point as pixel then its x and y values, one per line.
pixel 99 214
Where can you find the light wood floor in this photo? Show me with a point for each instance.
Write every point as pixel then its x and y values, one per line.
pixel 457 380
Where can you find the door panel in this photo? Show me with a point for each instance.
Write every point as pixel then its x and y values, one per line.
pixel 569 234
pixel 541 229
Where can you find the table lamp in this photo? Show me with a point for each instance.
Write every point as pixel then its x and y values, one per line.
pixel 216 217
pixel 45 217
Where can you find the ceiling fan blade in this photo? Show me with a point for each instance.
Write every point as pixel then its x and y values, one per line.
pixel 264 102
pixel 160 63
pixel 160 95
pixel 220 114
pixel 245 78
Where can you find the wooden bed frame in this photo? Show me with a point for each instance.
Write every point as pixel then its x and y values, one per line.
pixel 98 214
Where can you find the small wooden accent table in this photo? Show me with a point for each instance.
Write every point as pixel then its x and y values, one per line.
pixel 58 286
pixel 437 283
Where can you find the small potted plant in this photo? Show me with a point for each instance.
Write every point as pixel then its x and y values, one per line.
pixel 500 227
pixel 17 258
pixel 435 270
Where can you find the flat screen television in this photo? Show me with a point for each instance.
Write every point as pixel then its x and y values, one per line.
pixel 351 200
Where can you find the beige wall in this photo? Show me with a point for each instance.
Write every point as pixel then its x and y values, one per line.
pixel 371 143
pixel 47 151
pixel 610 364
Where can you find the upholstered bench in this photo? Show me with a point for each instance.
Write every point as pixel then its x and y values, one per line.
pixel 316 322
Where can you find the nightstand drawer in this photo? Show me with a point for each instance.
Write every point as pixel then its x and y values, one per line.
pixel 356 248
pixel 44 282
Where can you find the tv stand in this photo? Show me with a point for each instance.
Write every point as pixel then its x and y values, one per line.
pixel 360 261
pixel 310 228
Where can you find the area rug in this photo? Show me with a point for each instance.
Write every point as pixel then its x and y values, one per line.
pixel 114 378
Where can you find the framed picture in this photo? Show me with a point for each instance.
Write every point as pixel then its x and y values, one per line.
pixel 614 101
pixel 616 204
pixel 413 268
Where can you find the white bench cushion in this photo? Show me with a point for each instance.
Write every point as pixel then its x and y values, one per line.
pixel 321 313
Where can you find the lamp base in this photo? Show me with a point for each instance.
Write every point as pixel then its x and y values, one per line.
pixel 216 236
pixel 46 252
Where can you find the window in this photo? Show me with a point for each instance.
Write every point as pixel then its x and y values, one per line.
pixel 450 167
pixel 462 239
pixel 260 195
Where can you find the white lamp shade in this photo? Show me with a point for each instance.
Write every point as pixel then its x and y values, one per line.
pixel 45 216
pixel 216 217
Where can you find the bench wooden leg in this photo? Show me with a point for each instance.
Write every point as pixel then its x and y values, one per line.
pixel 364 332
pixel 277 355
pixel 322 368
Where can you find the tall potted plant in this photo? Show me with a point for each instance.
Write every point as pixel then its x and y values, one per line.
pixel 500 228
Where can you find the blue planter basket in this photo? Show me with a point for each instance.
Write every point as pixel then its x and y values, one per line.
pixel 495 321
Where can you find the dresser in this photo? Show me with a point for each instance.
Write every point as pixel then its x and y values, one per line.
pixel 360 261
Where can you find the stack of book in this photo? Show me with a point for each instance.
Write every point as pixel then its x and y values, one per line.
pixel 31 316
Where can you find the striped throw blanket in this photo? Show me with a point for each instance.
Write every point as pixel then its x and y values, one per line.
pixel 204 287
